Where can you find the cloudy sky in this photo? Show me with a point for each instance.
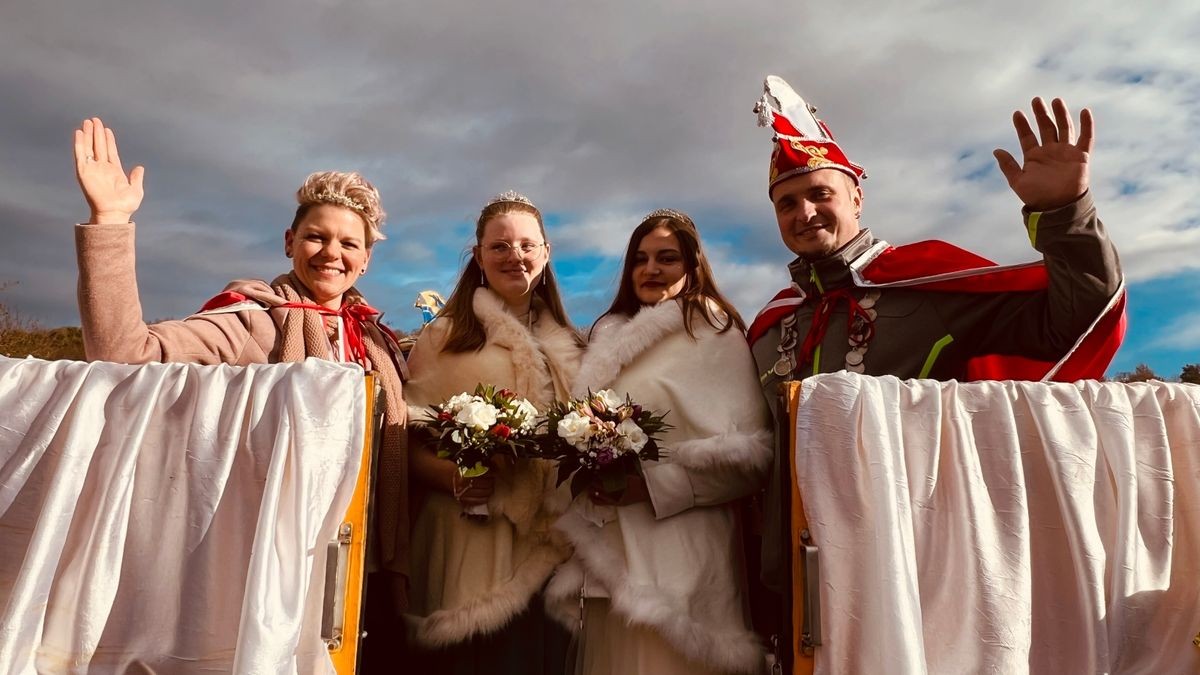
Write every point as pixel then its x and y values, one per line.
pixel 598 111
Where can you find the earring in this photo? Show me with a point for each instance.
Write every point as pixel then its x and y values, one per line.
pixel 482 279
pixel 364 271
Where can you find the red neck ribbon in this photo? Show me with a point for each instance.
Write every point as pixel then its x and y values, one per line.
pixel 820 323
pixel 353 315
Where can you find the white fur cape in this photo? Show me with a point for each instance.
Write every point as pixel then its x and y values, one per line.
pixel 675 564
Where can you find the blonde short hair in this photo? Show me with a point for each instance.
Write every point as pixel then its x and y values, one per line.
pixel 347 189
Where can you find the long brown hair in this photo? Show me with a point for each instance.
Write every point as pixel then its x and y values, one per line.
pixel 700 292
pixel 466 331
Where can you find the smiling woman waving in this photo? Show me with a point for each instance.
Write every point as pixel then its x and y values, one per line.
pixel 313 310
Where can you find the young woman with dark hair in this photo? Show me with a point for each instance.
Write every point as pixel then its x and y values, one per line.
pixel 659 568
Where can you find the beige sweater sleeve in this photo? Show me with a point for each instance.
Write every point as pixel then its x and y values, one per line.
pixel 111 313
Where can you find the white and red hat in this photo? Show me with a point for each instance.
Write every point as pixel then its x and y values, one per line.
pixel 802 142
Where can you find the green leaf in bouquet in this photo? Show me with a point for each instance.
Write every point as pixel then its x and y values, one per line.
pixel 474 471
pixel 579 483
pixel 614 483
pixel 566 467
pixel 650 451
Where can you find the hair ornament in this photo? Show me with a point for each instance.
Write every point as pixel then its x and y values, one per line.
pixel 328 197
pixel 669 213
pixel 510 196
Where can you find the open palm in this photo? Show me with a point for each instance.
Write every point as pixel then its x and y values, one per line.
pixel 112 196
pixel 1054 172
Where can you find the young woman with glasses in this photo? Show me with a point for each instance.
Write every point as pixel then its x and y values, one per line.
pixel 475 596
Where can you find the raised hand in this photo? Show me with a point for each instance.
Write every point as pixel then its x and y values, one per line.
pixel 112 196
pixel 1055 171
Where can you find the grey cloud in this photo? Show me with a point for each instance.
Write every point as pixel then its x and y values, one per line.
pixel 589 108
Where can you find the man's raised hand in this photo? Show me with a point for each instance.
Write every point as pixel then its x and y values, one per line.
pixel 1054 172
pixel 112 196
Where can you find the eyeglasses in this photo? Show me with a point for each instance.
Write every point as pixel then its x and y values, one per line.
pixel 499 250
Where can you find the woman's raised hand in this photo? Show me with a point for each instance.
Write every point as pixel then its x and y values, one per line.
pixel 112 196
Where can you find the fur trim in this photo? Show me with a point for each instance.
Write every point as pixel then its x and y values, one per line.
pixel 518 495
pixel 490 612
pixel 732 448
pixel 562 594
pixel 614 345
pixel 735 650
pixel 554 348
pixel 504 329
pixel 563 349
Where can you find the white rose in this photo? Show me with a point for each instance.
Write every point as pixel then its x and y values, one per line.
pixel 574 428
pixel 526 413
pixel 610 399
pixel 633 435
pixel 457 401
pixel 477 415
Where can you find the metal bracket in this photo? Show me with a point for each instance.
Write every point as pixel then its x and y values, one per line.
pixel 333 609
pixel 810 629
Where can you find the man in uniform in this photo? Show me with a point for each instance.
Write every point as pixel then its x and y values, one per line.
pixel 931 310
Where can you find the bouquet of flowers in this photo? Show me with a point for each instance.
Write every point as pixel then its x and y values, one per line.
pixel 471 429
pixel 599 439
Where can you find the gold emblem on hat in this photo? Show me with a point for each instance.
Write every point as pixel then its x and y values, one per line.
pixel 816 156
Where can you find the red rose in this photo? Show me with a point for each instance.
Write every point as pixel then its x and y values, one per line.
pixel 445 415
pixel 501 431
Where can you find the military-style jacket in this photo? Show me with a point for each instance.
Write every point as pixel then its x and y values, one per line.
pixel 933 333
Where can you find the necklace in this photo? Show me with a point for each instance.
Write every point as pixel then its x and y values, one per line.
pixel 860 331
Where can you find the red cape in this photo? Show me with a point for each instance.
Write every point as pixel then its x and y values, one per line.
pixel 912 264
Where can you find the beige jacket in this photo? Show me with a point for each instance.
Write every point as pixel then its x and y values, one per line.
pixel 472 578
pixel 111 312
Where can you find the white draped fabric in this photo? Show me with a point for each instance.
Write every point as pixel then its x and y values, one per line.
pixel 171 518
pixel 1003 527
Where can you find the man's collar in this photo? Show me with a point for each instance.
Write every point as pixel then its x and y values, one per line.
pixel 832 271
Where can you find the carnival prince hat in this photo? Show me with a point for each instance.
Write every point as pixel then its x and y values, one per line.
pixel 802 142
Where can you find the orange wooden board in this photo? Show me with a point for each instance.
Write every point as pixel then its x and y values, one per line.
pixel 345 653
pixel 802 664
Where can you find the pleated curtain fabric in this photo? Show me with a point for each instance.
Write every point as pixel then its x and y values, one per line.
pixel 171 518
pixel 1003 527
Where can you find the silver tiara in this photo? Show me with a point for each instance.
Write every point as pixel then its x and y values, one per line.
pixel 669 213
pixel 510 196
pixel 328 197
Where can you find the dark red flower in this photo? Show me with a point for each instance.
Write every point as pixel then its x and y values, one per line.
pixel 501 431
pixel 445 415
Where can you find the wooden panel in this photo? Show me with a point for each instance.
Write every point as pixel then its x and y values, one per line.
pixel 802 663
pixel 344 652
